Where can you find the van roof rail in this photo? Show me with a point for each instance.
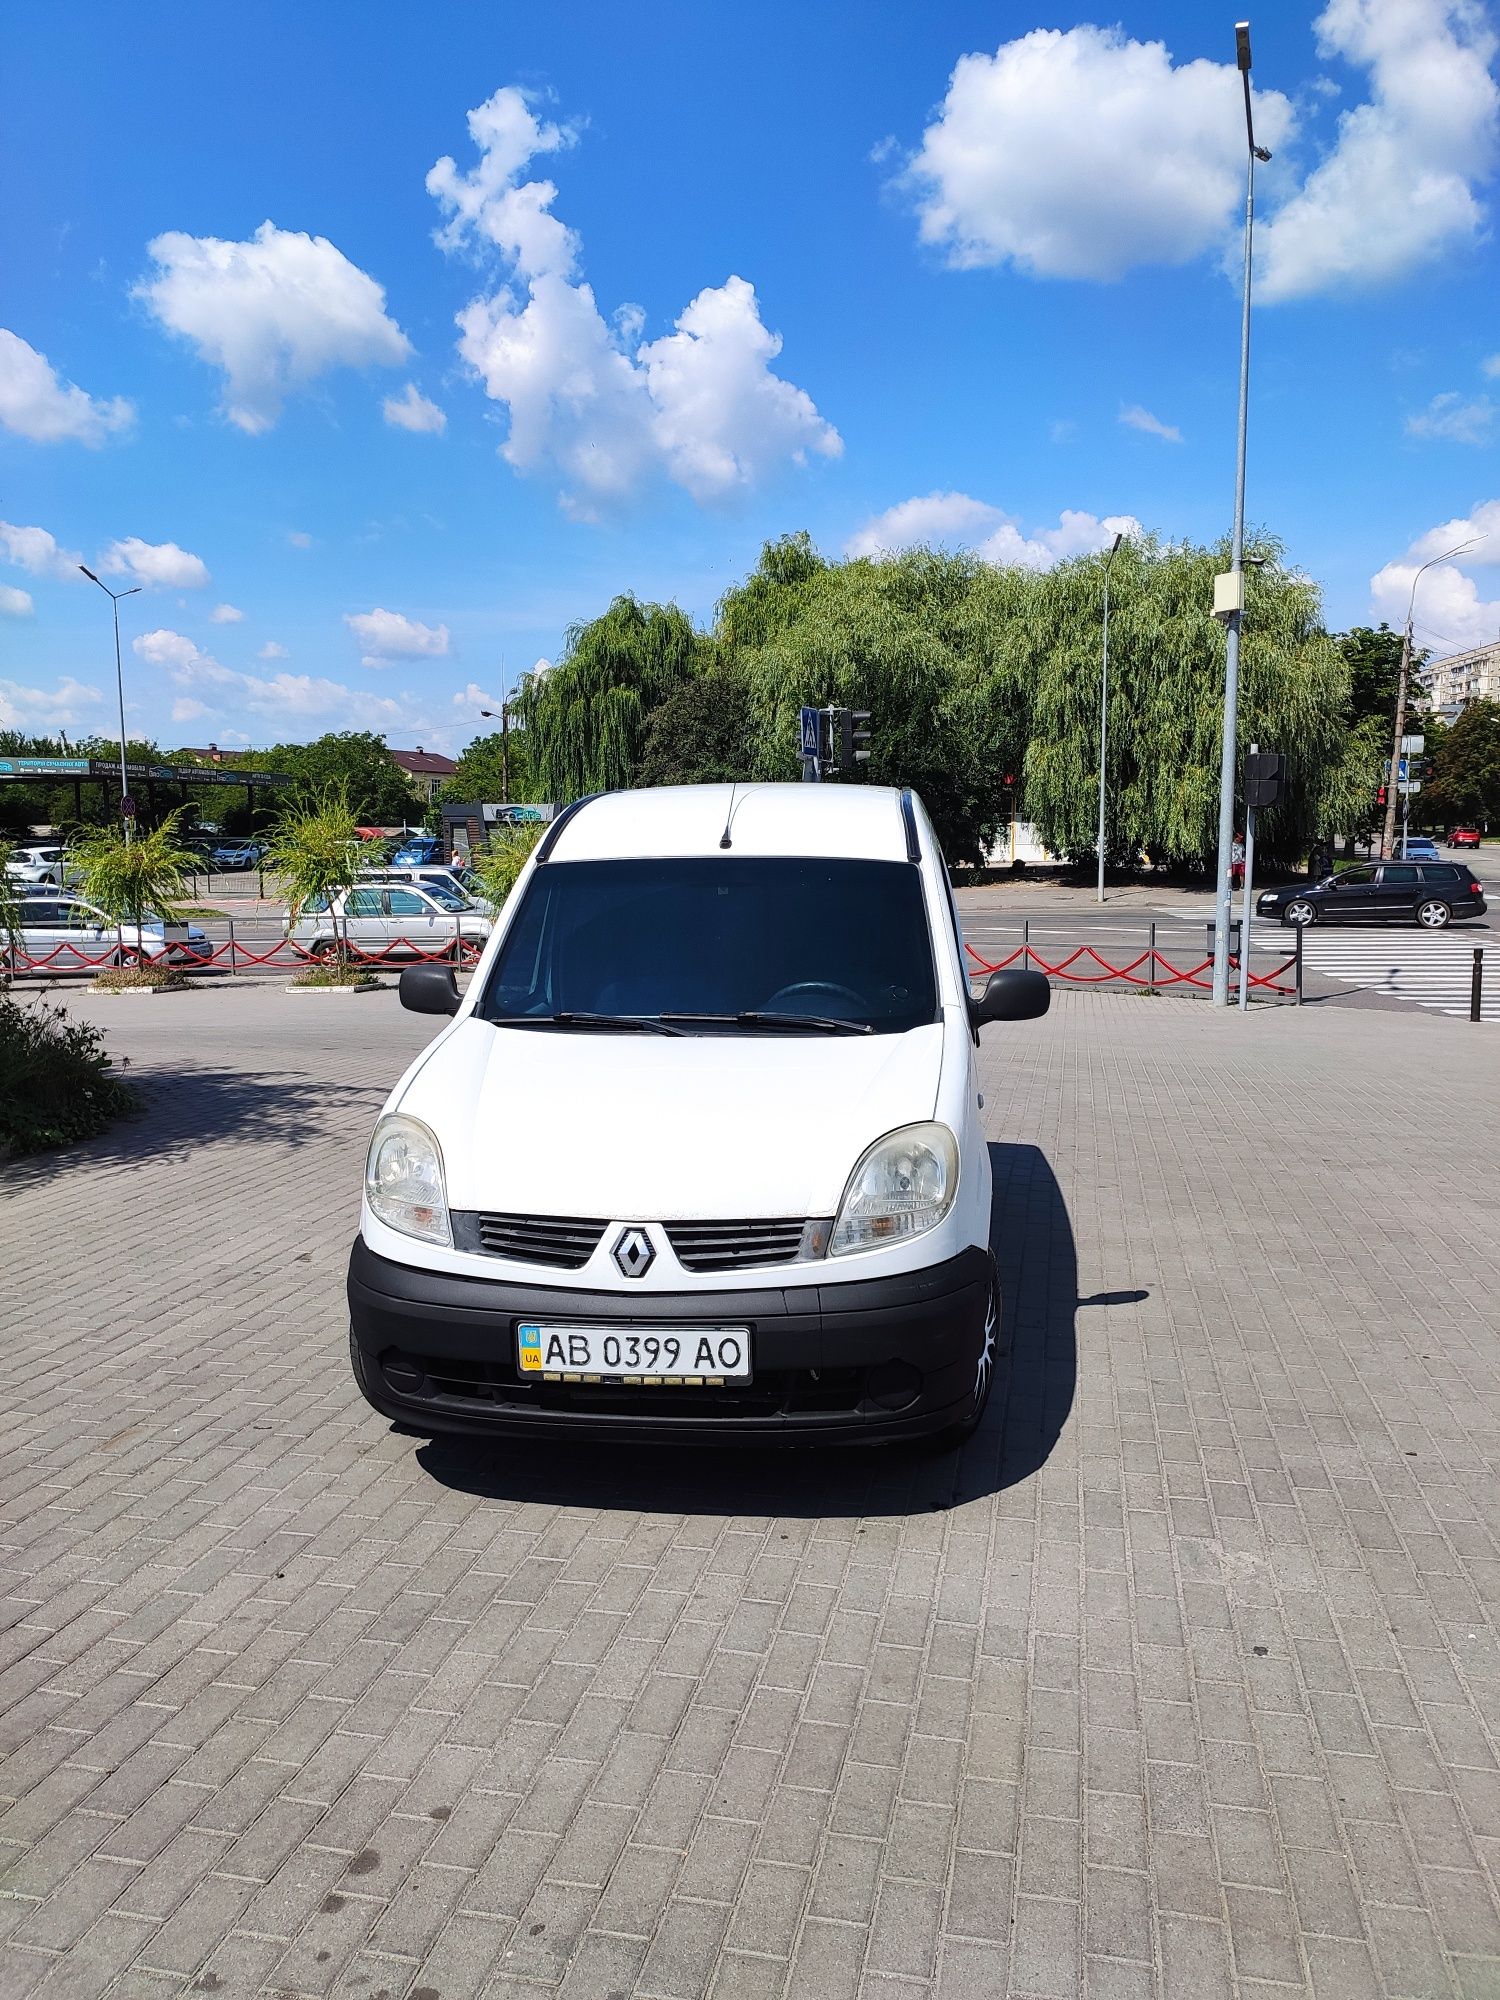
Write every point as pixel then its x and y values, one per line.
pixel 550 837
pixel 909 820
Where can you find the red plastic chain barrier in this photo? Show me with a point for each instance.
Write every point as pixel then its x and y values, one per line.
pixel 68 958
pixel 1163 973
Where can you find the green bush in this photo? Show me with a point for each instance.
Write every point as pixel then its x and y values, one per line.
pixel 56 1084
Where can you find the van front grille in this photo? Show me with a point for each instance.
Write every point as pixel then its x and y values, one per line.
pixel 735 1246
pixel 566 1242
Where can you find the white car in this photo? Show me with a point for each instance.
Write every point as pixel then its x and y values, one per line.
pixel 699 1152
pixel 68 934
pixel 37 863
pixel 391 920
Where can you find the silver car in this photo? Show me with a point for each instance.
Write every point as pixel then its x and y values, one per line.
pixel 390 920
pixel 70 934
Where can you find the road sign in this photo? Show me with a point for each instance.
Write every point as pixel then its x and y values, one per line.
pixel 809 717
pixel 127 807
pixel 1401 769
pixel 1413 746
pixel 1265 776
pixel 1409 785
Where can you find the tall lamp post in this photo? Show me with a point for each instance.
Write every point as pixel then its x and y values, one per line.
pixel 114 597
pixel 1234 604
pixel 1388 837
pixel 489 715
pixel 1104 705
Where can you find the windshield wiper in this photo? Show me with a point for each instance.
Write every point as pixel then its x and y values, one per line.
pixel 822 1024
pixel 651 1024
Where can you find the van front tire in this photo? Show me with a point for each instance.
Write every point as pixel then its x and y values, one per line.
pixel 992 1364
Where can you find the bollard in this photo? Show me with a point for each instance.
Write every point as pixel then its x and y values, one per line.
pixel 1151 964
pixel 1025 941
pixel 1476 983
pixel 1297 975
pixel 231 947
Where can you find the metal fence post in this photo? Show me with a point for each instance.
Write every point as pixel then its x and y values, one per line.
pixel 458 941
pixel 1476 984
pixel 231 945
pixel 1151 964
pixel 1025 941
pixel 1297 975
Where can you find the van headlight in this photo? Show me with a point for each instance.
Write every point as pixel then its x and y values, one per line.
pixel 404 1180
pixel 903 1186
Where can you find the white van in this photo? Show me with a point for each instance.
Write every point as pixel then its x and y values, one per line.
pixel 699 1153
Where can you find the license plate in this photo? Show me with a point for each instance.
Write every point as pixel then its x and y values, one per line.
pixel 652 1357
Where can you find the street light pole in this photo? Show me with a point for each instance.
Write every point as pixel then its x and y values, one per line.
pixel 1104 706
pixel 114 597
pixel 1236 559
pixel 1388 836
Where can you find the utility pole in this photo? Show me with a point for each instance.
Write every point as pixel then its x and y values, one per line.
pixel 114 596
pixel 1231 605
pixel 1393 788
pixel 1103 709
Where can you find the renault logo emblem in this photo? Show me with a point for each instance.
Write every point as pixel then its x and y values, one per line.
pixel 633 1253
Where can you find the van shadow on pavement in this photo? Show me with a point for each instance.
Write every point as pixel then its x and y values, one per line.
pixel 1033 1240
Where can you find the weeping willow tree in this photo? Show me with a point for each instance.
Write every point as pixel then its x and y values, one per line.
pixel 1166 690
pixel 585 720
pixel 896 638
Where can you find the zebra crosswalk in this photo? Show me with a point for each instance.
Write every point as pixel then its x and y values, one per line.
pixel 1434 971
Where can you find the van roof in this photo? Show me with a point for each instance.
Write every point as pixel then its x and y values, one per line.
pixel 831 820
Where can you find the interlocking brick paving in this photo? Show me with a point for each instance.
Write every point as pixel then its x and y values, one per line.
pixel 1183 1679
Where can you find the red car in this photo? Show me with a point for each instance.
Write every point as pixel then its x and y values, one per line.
pixel 1464 836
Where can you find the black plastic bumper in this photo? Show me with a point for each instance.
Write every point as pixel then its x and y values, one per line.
pixel 876 1358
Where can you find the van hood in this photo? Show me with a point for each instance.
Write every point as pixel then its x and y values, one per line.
pixel 645 1127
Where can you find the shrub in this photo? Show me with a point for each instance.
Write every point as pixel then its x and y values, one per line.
pixel 500 861
pixel 56 1084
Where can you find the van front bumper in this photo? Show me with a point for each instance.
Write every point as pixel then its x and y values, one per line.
pixel 873 1359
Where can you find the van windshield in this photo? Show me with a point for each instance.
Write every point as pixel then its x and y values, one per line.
pixel 712 941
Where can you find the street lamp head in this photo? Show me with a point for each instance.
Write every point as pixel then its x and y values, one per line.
pixel 1114 546
pixel 134 591
pixel 1262 153
pixel 90 574
pixel 1242 44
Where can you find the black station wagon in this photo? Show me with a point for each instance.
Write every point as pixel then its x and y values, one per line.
pixel 1430 893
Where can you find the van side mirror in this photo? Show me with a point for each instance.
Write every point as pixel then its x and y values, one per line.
pixel 429 989
pixel 1010 995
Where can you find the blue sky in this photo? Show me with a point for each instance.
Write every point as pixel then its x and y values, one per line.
pixel 997 247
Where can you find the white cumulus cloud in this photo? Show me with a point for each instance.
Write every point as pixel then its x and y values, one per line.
pixel 187 708
pixel 586 397
pixel 289 701
pixel 155 563
pixel 1449 614
pixel 226 614
pixel 35 550
pixel 15 603
pixel 60 707
pixel 389 635
pixel 1138 418
pixel 957 520
pixel 1399 186
pixel 271 650
pixel 35 404
pixel 1079 153
pixel 412 411
pixel 273 312
pixel 1458 419
pixel 474 697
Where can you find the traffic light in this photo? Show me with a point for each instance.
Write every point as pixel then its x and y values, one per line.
pixel 1265 778
pixel 1380 796
pixel 854 738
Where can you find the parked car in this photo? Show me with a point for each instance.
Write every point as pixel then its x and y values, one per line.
pixel 392 921
pixel 36 862
pixel 235 854
pixel 1430 893
pixel 1418 847
pixel 448 875
pixel 699 1152
pixel 49 922
pixel 418 852
pixel 1465 836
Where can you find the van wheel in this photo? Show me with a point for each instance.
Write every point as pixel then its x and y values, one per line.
pixel 990 1365
pixel 1300 913
pixel 1432 915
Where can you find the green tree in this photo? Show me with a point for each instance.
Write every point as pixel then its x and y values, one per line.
pixel 702 734
pixel 356 763
pixel 586 719
pixel 500 861
pixel 491 769
pixel 314 849
pixel 1464 789
pixel 134 879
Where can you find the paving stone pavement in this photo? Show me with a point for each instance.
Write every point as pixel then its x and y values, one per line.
pixel 1182 1680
